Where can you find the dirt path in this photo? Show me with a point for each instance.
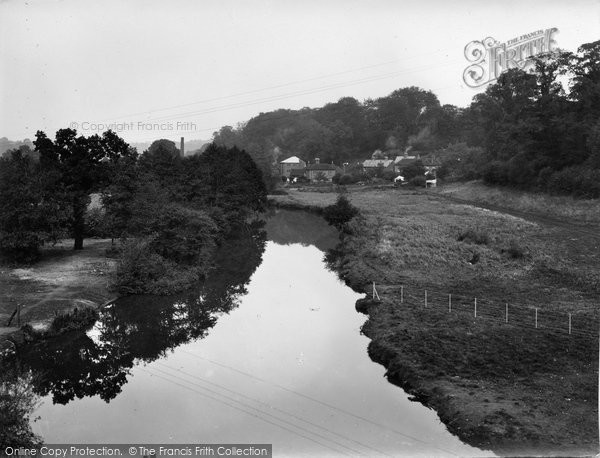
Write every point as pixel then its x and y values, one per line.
pixel 62 280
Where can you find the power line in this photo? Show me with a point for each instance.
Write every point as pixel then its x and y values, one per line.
pixel 407 436
pixel 291 94
pixel 275 86
pixel 260 417
pixel 273 408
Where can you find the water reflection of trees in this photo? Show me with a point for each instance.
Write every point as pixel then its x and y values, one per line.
pixel 143 328
pixel 293 226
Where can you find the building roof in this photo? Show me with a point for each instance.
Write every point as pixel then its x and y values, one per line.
pixel 292 160
pixel 374 163
pixel 405 159
pixel 431 161
pixel 321 167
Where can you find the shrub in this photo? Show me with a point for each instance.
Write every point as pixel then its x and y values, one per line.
pixel 347 179
pixel 495 172
pixel 578 181
pixel 413 170
pixel 474 236
pixel 140 270
pixel 18 401
pixel 389 175
pixel 418 181
pixel 138 267
pixel 96 223
pixel 515 250
pixel 183 235
pixel 77 319
pixel 340 213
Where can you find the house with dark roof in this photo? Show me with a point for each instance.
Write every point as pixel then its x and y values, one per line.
pixel 373 164
pixel 321 172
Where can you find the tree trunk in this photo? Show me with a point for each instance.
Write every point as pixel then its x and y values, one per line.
pixel 79 223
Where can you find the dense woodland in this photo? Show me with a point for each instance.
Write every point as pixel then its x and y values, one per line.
pixel 537 130
pixel 170 213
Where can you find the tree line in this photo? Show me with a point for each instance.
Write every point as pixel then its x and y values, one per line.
pixel 536 129
pixel 170 212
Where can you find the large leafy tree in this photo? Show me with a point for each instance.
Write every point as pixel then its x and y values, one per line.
pixel 82 164
pixel 227 178
pixel 32 203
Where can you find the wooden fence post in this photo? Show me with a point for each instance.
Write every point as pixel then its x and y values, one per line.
pixel 475 307
pixel 18 314
pixel 373 291
pixel 401 294
pixel 425 298
pixel 449 302
pixel 506 312
pixel 536 310
pixel 569 324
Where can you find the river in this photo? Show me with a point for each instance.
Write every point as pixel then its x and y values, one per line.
pixel 268 350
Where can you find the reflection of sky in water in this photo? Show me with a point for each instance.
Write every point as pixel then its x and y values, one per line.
pixel 288 366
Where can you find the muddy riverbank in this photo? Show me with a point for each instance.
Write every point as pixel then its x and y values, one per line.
pixel 512 389
pixel 64 280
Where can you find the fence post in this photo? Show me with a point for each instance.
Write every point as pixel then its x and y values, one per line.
pixel 475 307
pixel 536 318
pixel 18 314
pixel 506 320
pixel 425 298
pixel 401 294
pixel 569 324
pixel 449 302
pixel 375 293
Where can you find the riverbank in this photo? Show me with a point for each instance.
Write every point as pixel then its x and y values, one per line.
pixel 505 387
pixel 62 281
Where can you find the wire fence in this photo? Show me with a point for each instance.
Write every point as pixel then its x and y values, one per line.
pixel 581 323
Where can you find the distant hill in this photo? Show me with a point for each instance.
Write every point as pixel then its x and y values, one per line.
pixel 6 144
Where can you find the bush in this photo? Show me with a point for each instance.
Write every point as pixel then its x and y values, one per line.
pixel 139 267
pixel 183 235
pixel 418 182
pixel 18 401
pixel 474 236
pixel 140 270
pixel 340 213
pixel 577 181
pixel 496 172
pixel 515 250
pixel 347 179
pixel 96 223
pixel 77 319
pixel 389 175
pixel 413 170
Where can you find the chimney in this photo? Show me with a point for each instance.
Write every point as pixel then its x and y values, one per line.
pixel 181 150
pixel 317 160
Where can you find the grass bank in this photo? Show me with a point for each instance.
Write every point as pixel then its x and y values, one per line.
pixel 505 387
pixel 566 207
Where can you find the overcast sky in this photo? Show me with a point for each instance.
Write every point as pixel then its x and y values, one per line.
pixel 215 63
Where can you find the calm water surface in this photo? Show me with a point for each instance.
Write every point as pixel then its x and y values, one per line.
pixel 269 350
